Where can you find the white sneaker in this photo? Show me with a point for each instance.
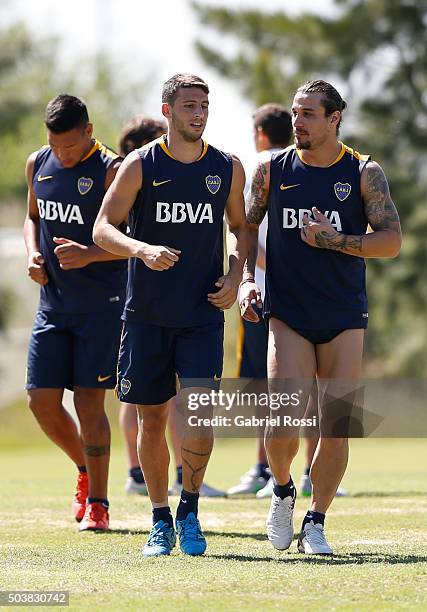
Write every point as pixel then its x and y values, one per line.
pixel 312 540
pixel 341 492
pixel 135 488
pixel 205 490
pixel 280 529
pixel 305 488
pixel 250 483
pixel 266 491
pixel 208 491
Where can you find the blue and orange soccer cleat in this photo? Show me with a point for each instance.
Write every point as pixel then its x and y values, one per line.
pixel 79 501
pixel 191 538
pixel 161 540
pixel 96 518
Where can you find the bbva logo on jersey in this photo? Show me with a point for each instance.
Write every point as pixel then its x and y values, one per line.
pixel 213 183
pixel 179 212
pixel 291 220
pixel 51 211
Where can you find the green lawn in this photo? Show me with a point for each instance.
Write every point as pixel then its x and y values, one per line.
pixel 378 533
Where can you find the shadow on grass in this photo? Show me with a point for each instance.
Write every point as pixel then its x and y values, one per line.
pixel 236 534
pixel 345 559
pixel 389 494
pixel 128 531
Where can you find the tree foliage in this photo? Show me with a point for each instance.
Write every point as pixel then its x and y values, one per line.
pixel 31 75
pixel 375 52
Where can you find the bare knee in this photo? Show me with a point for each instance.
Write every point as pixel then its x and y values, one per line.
pixel 45 403
pixel 89 405
pixel 152 425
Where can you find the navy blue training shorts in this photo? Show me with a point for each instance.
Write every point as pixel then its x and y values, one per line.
pixel 252 345
pixel 74 350
pixel 151 356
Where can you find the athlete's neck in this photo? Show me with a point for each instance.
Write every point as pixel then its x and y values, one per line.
pixel 322 156
pixel 88 149
pixel 183 151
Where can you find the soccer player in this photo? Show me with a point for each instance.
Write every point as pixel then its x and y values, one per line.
pixel 321 195
pixel 175 192
pixel 76 334
pixel 272 131
pixel 138 132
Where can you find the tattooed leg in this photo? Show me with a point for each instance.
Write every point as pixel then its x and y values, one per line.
pixel 96 451
pixel 195 458
pixel 95 435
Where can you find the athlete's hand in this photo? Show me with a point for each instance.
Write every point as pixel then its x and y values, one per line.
pixel 227 294
pixel 249 293
pixel 159 257
pixel 70 254
pixel 36 270
pixel 317 233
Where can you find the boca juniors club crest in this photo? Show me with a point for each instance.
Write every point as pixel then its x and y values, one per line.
pixel 213 183
pixel 84 185
pixel 342 191
pixel 125 386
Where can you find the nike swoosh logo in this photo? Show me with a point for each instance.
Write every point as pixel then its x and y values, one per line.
pixel 43 178
pixel 157 184
pixel 104 378
pixel 217 377
pixel 284 187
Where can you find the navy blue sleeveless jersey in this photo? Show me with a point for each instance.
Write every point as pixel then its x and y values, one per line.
pixel 69 200
pixel 309 287
pixel 180 206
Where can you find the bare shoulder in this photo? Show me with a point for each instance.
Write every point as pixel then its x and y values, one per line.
pixel 380 209
pixel 112 171
pixel 373 180
pixel 262 167
pixel 129 174
pixel 131 166
pixel 29 166
pixel 258 197
pixel 238 170
pixel 264 157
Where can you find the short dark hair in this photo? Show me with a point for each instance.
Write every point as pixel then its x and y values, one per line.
pixel 331 99
pixel 65 113
pixel 276 122
pixel 138 132
pixel 172 85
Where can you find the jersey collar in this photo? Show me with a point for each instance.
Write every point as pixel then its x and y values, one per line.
pixel 164 147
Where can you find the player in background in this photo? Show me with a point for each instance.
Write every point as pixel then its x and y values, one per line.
pixel 272 131
pixel 135 134
pixel 175 192
pixel 75 338
pixel 321 195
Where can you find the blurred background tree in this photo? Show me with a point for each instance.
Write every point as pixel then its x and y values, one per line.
pixel 375 52
pixel 30 75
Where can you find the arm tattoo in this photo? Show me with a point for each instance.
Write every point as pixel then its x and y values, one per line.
pixel 97 451
pixel 379 207
pixel 258 197
pixel 338 242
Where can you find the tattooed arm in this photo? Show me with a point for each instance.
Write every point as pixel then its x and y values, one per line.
pixel 384 240
pixel 256 209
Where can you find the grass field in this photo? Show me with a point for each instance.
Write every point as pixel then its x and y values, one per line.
pixel 378 533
